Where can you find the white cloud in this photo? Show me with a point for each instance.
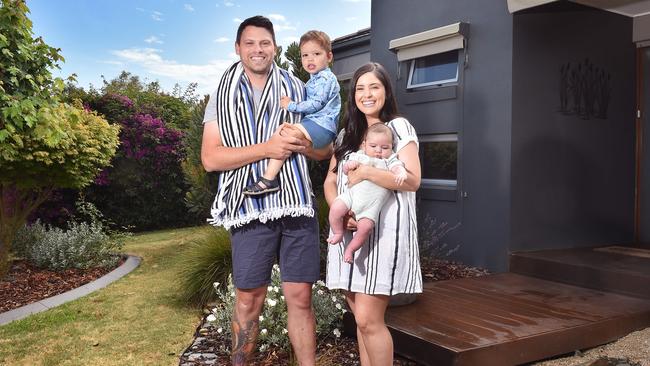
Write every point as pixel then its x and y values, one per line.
pixel 280 23
pixel 188 7
pixel 139 9
pixel 157 16
pixel 277 17
pixel 237 20
pixel 221 40
pixel 153 39
pixel 228 3
pixel 151 60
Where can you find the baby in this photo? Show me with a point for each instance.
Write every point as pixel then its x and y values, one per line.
pixel 365 199
pixel 322 107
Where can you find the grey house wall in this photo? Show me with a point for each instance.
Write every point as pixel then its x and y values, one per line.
pixel 572 177
pixel 480 112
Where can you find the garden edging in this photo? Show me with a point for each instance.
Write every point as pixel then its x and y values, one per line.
pixel 131 263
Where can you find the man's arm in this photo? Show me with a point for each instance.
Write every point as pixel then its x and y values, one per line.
pixel 216 157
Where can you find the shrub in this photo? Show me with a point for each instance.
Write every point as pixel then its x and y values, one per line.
pixel 329 307
pixel 81 246
pixel 206 261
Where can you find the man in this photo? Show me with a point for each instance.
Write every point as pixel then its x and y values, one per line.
pixel 241 131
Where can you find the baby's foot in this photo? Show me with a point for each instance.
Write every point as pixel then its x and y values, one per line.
pixel 335 238
pixel 262 186
pixel 348 256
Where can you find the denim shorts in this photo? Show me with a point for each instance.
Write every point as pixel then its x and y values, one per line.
pixel 320 136
pixel 293 242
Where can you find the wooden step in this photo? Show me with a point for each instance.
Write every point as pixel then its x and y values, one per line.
pixel 619 269
pixel 509 319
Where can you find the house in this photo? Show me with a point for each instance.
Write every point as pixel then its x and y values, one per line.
pixel 530 115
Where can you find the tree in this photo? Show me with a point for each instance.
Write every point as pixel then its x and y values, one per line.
pixel 293 55
pixel 44 144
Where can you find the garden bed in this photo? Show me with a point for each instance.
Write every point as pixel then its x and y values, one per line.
pixel 25 284
pixel 210 347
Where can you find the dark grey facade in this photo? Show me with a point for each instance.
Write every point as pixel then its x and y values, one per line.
pixel 537 166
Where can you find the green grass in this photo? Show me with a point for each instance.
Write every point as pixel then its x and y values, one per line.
pixel 138 320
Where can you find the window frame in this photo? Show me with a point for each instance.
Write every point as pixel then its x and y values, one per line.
pixel 437 83
pixel 448 184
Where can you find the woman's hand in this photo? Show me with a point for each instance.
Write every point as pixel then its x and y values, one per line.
pixel 349 221
pixel 357 175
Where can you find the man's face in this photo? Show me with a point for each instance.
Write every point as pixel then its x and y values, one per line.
pixel 256 50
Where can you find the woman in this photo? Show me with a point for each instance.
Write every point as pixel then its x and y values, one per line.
pixel 388 263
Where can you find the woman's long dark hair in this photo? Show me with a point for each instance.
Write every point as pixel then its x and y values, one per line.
pixel 356 123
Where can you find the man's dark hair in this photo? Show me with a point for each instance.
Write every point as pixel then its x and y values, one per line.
pixel 256 21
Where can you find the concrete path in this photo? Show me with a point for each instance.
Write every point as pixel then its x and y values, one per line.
pixel 131 263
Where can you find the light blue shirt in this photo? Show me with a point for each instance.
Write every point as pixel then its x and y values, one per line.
pixel 323 102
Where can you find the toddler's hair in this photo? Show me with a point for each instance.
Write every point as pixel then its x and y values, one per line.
pixel 380 128
pixel 319 37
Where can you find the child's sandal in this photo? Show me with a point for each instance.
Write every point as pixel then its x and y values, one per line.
pixel 256 189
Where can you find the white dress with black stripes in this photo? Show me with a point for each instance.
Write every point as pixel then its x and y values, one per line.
pixel 389 262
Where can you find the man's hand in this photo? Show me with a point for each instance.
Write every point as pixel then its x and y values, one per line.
pixel 284 102
pixel 281 147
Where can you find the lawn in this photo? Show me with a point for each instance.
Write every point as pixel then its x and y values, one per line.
pixel 137 320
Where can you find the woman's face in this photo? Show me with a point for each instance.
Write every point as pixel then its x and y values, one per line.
pixel 370 96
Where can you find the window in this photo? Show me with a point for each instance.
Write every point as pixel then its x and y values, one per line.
pixel 435 69
pixel 439 160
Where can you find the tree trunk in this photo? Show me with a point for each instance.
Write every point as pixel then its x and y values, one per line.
pixel 15 206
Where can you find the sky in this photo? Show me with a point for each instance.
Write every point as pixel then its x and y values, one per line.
pixel 175 41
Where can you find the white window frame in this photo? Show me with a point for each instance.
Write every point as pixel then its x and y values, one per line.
pixel 410 85
pixel 441 183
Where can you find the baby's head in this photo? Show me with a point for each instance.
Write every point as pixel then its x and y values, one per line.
pixel 315 51
pixel 379 141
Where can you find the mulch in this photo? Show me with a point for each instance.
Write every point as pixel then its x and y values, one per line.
pixel 25 283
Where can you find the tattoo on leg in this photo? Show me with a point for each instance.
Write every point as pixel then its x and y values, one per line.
pixel 244 337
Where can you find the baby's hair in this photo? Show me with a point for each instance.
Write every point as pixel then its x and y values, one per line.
pixel 319 37
pixel 380 128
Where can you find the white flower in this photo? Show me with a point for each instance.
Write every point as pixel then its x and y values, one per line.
pixel 263 331
pixel 261 318
pixel 320 292
pixel 320 283
pixel 282 297
pixel 337 332
pixel 269 288
pixel 214 310
pixel 271 302
pixel 232 294
pixel 351 355
pixel 211 318
pixel 216 285
pixel 220 330
pixel 276 289
pixel 333 298
pixel 263 347
pixel 284 331
pixel 338 306
pixel 344 311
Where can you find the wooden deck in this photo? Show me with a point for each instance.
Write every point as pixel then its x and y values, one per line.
pixel 559 302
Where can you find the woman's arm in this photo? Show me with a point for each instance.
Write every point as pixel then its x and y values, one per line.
pixel 408 155
pixel 331 192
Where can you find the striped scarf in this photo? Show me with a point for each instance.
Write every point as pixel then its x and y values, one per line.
pixel 242 123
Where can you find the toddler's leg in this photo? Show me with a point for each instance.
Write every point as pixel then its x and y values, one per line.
pixel 364 227
pixel 268 182
pixel 337 213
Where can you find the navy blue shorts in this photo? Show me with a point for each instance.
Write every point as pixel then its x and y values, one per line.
pixel 291 241
pixel 320 136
